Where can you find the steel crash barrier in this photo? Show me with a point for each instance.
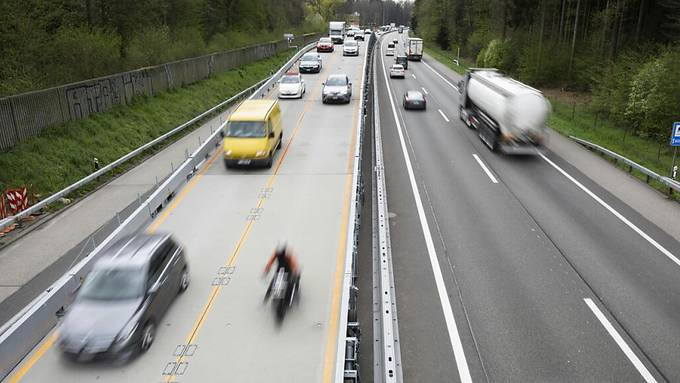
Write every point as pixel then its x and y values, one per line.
pixel 347 363
pixel 26 329
pixel 668 182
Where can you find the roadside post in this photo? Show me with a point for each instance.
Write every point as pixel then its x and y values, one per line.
pixel 675 142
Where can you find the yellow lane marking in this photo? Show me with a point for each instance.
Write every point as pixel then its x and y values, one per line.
pixel 244 236
pixel 48 342
pixel 51 339
pixel 183 193
pixel 333 321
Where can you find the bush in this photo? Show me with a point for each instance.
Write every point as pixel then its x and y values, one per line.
pixel 149 47
pixel 80 52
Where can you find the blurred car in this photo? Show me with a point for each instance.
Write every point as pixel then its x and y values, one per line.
pixel 291 85
pixel 397 70
pixel 359 35
pixel 367 32
pixel 395 41
pixel 123 299
pixel 350 33
pixel 310 63
pixel 390 50
pixel 337 88
pixel 350 48
pixel 325 44
pixel 401 59
pixel 414 99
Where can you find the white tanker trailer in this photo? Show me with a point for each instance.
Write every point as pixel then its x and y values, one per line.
pixel 510 116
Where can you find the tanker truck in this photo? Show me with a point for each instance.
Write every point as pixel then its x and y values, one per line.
pixel 510 116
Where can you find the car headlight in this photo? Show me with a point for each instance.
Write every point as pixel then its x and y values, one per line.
pixel 228 152
pixel 260 153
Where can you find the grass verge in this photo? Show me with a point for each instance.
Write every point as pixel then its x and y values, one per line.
pixel 576 120
pixel 62 155
pixel 445 57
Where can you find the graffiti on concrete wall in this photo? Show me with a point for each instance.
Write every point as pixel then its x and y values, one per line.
pixel 102 94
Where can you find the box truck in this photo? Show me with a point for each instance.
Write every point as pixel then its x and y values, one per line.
pixel 336 31
pixel 414 50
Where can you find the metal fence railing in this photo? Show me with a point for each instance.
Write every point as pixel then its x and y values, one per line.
pixel 27 328
pixel 668 182
pixel 347 359
pixel 25 115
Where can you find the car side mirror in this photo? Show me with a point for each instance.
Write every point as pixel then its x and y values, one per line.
pixel 323 83
pixel 271 134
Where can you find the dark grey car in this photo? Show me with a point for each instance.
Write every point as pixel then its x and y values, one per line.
pixel 337 88
pixel 414 99
pixel 122 301
pixel 310 63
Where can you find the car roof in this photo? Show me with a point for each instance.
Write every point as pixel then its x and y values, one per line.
pixel 252 110
pixel 133 250
pixel 397 66
pixel 414 93
pixel 324 39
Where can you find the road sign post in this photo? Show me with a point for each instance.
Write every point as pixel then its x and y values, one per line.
pixel 675 142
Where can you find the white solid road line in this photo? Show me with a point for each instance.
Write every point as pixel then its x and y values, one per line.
pixel 414 76
pixel 646 375
pixel 440 76
pixel 443 115
pixel 424 90
pixel 618 215
pixel 454 337
pixel 486 170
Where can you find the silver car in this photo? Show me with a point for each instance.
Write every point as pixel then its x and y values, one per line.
pixel 350 48
pixel 124 298
pixel 337 88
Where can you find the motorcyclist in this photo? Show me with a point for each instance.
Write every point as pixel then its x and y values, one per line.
pixel 285 260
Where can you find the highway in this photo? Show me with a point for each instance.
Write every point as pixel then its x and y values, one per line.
pixel 506 268
pixel 229 222
pixel 515 268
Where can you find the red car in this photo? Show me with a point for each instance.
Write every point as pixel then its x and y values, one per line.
pixel 325 44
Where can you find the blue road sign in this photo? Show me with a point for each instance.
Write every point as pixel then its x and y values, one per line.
pixel 675 137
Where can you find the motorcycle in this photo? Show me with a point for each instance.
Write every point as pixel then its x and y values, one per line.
pixel 284 292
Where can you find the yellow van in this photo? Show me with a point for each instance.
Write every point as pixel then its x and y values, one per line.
pixel 253 133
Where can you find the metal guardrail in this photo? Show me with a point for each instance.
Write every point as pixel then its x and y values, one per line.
pixel 26 329
pixel 84 181
pixel 386 350
pixel 346 363
pixel 666 181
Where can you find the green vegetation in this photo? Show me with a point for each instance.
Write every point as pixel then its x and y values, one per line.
pixel 60 156
pixel 578 120
pixel 45 43
pixel 621 55
pixel 446 58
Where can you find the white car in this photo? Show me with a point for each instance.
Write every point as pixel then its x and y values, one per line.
pixel 389 51
pixel 397 70
pixel 291 85
pixel 350 48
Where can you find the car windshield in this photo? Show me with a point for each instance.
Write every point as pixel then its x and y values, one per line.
pixel 390 45
pixel 325 40
pixel 290 80
pixel 414 96
pixel 309 57
pixel 245 129
pixel 112 284
pixel 335 81
pixel 397 67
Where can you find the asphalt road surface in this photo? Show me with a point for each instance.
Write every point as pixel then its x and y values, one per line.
pixel 516 268
pixel 229 222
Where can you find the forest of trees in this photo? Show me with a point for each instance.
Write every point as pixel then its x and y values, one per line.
pixel 50 42
pixel 626 53
pixel 379 12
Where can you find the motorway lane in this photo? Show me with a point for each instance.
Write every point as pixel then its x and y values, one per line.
pixel 231 333
pixel 523 298
pixel 632 278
